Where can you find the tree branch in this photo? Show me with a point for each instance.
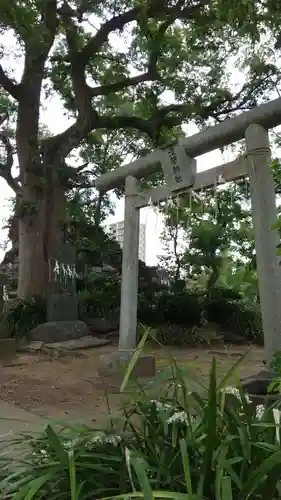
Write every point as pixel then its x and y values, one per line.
pixel 6 164
pixel 127 82
pixel 49 16
pixel 168 116
pixel 118 22
pixel 62 144
pixel 87 118
pixel 151 74
pixel 7 84
pixel 82 91
pixel 115 23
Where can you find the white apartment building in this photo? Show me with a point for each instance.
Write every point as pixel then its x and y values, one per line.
pixel 117 231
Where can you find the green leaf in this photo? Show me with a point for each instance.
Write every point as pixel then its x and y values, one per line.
pixel 56 445
pixel 186 466
pixel 143 479
pixel 30 490
pixel 156 494
pixel 134 360
pixel 257 477
pixel 211 429
pixel 72 476
pixel 226 489
pixel 233 369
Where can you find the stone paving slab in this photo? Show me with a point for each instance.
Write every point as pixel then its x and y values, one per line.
pixel 15 421
pixel 68 345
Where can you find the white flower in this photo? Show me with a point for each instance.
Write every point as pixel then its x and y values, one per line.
pixel 129 467
pixel 57 268
pixel 169 202
pixel 277 418
pixel 235 392
pixel 41 456
pixel 101 438
pixel 69 445
pixel 260 409
pixel 180 386
pixel 5 294
pixel 160 406
pixel 180 417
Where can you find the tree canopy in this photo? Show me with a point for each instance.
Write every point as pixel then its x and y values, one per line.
pixel 139 68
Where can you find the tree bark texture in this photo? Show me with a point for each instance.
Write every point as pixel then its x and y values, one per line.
pixel 40 234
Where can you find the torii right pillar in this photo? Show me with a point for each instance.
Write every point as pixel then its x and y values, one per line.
pixel 267 239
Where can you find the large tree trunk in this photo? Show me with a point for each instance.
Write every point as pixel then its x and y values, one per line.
pixel 32 273
pixel 32 270
pixel 40 233
pixel 32 264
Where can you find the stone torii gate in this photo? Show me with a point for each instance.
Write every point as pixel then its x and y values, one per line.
pixel 179 168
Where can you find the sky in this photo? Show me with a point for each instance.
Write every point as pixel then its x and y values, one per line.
pixel 54 117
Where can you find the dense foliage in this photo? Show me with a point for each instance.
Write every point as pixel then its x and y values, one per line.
pixel 179 318
pixel 21 316
pixel 190 311
pixel 128 75
pixel 207 444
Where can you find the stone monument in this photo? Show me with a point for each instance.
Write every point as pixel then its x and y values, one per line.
pixel 62 298
pixel 62 307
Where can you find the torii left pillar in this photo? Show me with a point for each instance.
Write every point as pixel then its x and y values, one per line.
pixel 117 361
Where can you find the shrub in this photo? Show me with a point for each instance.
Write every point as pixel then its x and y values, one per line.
pixel 101 299
pixel 238 316
pixel 224 293
pixel 173 335
pixel 181 308
pixel 185 444
pixel 178 335
pixel 21 316
pixel 191 308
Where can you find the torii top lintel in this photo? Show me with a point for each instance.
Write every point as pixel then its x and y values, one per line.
pixel 230 130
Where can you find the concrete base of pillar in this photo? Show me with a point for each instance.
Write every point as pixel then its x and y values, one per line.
pixel 115 365
pixel 257 387
pixel 259 383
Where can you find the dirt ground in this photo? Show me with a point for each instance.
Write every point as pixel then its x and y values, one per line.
pixel 71 390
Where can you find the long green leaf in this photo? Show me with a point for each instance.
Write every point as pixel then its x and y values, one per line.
pixel 257 477
pixel 219 476
pixel 211 424
pixel 186 466
pixel 233 369
pixel 157 494
pixel 72 475
pixel 143 479
pixel 226 489
pixel 30 490
pixel 57 446
pixel 220 456
pixel 134 360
